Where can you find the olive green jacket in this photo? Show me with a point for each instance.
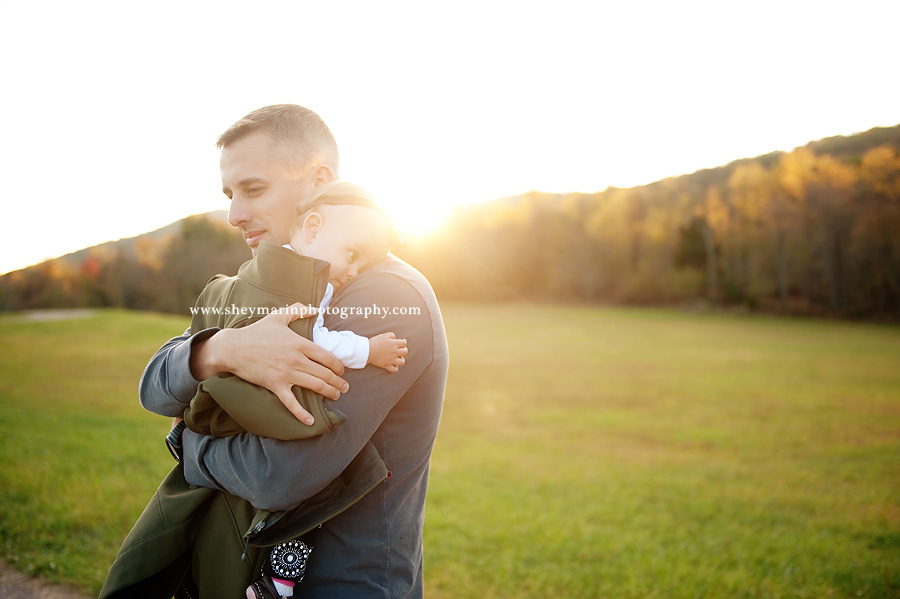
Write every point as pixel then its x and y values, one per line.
pixel 186 529
pixel 226 405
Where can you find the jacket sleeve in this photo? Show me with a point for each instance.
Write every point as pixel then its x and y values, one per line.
pixel 278 475
pixel 166 385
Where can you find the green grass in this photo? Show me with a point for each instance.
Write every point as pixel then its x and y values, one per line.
pixel 583 453
pixel 80 457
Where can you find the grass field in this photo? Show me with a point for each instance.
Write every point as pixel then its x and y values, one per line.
pixel 603 453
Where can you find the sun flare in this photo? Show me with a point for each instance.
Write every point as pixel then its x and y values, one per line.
pixel 418 219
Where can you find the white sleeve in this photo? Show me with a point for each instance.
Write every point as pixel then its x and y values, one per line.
pixel 351 349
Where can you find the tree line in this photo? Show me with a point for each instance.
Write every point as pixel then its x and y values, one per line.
pixel 162 273
pixel 814 231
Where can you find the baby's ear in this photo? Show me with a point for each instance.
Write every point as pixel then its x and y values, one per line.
pixel 311 225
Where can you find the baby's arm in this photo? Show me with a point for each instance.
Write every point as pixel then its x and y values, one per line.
pixel 355 351
pixel 386 351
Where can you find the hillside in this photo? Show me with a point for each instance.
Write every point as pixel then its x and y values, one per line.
pixel 161 270
pixel 128 244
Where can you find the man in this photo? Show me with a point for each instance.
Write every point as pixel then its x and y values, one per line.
pixel 273 159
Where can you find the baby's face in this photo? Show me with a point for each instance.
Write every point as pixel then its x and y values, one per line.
pixel 350 238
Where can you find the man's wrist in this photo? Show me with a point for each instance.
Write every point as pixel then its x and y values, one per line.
pixel 206 358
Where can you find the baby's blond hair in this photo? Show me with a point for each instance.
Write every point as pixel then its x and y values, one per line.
pixel 337 193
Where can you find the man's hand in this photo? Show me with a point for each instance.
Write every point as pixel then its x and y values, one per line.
pixel 388 352
pixel 269 354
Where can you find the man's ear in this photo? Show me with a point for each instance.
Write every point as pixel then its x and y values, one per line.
pixel 322 175
pixel 311 225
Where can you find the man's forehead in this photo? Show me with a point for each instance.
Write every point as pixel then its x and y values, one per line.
pixel 254 156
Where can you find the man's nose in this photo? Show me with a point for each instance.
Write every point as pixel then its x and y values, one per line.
pixel 236 213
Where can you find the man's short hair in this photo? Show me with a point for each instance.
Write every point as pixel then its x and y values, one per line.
pixel 307 137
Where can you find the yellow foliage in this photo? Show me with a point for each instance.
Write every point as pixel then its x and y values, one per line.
pixel 880 170
pixel 714 210
pixel 752 189
pixel 834 173
pixel 794 171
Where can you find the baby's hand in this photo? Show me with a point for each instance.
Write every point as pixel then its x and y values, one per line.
pixel 386 351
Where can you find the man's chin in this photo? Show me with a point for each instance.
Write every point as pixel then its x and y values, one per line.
pixel 254 244
pixel 254 240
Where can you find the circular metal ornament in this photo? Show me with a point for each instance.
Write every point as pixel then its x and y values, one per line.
pixel 288 559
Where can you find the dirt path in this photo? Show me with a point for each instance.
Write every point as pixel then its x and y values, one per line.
pixel 15 585
pixel 42 315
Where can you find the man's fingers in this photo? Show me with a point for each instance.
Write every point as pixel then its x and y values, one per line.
pixel 332 367
pixel 290 402
pixel 308 381
pixel 316 368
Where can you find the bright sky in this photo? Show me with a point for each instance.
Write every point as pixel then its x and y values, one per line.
pixel 112 108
